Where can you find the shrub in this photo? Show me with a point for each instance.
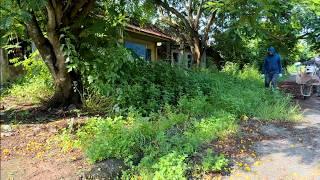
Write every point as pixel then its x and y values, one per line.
pixel 36 85
pixel 214 163
pixel 115 138
pixel 95 103
pixel 170 166
pixel 152 142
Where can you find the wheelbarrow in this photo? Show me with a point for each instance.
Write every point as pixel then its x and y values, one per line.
pixel 307 77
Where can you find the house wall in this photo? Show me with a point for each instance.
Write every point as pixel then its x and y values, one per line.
pixel 169 51
pixel 181 56
pixel 148 43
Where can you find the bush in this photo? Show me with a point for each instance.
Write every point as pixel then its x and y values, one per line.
pixel 170 166
pixel 152 146
pixel 95 103
pixel 214 163
pixel 147 87
pixel 36 85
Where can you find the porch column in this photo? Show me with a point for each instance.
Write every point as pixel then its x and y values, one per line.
pixel 4 67
pixel 182 54
pixel 168 52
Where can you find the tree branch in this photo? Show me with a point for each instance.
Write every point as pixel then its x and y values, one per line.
pixel 57 5
pixel 190 12
pixel 199 12
pixel 175 12
pixel 207 28
pixel 42 44
pixel 78 5
pixel 86 8
pixel 67 6
pixel 51 26
pixel 304 35
pixel 76 9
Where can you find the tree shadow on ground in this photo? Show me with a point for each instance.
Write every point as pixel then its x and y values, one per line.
pixel 34 114
pixel 301 141
pixel 303 144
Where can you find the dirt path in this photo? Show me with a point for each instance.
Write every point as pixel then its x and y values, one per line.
pixel 31 151
pixel 292 153
pixel 29 148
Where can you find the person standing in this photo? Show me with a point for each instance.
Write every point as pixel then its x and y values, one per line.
pixel 272 68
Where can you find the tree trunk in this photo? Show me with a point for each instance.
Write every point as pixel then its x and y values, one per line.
pixel 196 51
pixel 65 91
pixel 52 55
pixel 204 58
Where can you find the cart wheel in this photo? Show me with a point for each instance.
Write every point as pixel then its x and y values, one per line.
pixel 306 90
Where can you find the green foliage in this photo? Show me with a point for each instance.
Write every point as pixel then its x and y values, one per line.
pixel 95 103
pixel 144 86
pixel 200 116
pixel 147 87
pixel 162 142
pixel 257 24
pixel 36 84
pixel 214 163
pixel 171 166
pixel 115 138
pixel 258 101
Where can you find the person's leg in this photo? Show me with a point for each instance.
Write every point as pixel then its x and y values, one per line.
pixel 267 80
pixel 274 81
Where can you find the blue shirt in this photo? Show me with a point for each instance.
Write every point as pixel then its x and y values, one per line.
pixel 272 63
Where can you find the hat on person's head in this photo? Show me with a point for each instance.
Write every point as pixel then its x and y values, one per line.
pixel 271 50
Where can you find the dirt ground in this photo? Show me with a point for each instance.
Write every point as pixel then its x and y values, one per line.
pixel 29 145
pixel 30 149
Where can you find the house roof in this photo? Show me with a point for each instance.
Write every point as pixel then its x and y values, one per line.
pixel 149 30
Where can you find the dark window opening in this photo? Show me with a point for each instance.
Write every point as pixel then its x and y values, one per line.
pixel 176 57
pixel 189 60
pixel 148 55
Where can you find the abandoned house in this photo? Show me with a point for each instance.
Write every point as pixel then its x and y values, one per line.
pixel 152 44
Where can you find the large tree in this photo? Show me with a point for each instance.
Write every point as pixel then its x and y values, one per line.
pixel 244 29
pixel 44 22
pixel 69 35
pixel 192 22
pixel 236 23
